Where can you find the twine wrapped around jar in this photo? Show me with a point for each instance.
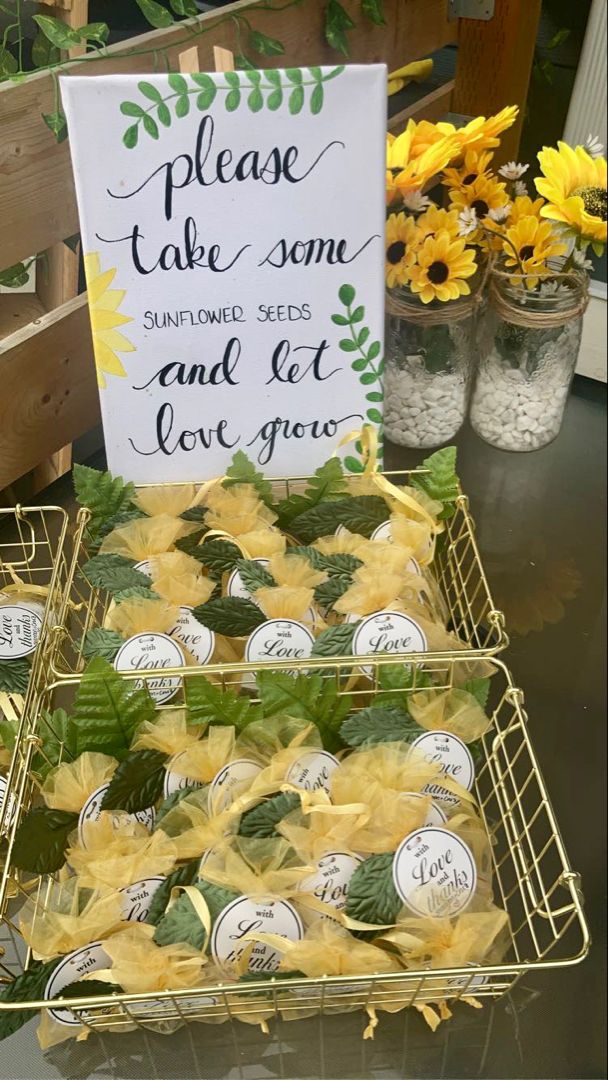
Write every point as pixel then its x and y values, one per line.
pixel 535 313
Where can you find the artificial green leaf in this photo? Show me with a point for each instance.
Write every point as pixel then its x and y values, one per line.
pixel 113 573
pixel 243 471
pixel 14 676
pixel 377 724
pixel 95 31
pixel 219 556
pixel 170 802
pixel 230 615
pixel 184 875
pixel 137 782
pixel 359 514
pixel 243 63
pixel 264 45
pixel 372 896
pixel 182 923
pixel 136 592
pixel 339 565
pixel 335 641
pixel 8 734
pixel 261 820
pixel 29 986
pixel 57 123
pixel 155 13
pixel 195 513
pixel 208 704
pixel 100 642
pixel 104 495
pixel 108 710
pixel 480 689
pixel 395 681
pixel 328 592
pixel 190 544
pixel 41 840
pixel 254 575
pixel 59 741
pixel 305 697
pixel 374 11
pixel 441 481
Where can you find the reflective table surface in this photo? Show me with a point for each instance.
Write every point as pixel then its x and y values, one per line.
pixel 541 529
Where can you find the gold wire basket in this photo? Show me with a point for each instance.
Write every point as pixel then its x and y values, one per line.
pixel 457 568
pixel 533 880
pixel 32 552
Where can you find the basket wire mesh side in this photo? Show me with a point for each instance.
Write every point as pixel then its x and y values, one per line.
pixel 457 568
pixel 532 878
pixel 32 552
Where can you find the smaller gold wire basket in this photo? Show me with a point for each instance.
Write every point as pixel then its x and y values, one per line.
pixel 457 568
pixel 32 553
pixel 533 880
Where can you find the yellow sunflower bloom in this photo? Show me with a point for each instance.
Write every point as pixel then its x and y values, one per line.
pixel 523 206
pixel 105 317
pixel 441 266
pixel 483 195
pixel 436 218
pixel 482 134
pixel 474 165
pixel 574 185
pixel 409 172
pixel 401 239
pixel 534 241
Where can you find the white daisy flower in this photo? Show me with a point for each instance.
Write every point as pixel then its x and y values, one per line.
pixel 467 221
pixel 416 201
pixel 593 146
pixel 520 188
pixel 501 213
pixel 513 170
pixel 580 260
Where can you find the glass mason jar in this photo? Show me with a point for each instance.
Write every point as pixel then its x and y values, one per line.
pixel 429 359
pixel 529 344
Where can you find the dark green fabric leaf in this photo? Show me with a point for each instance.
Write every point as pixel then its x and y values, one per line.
pixel 14 676
pixel 376 724
pixel 184 875
pixel 89 988
pixel 243 471
pixel 230 615
pixel 261 821
pixel 219 556
pixel 335 641
pixel 372 896
pixel 182 924
pixel 42 838
pixel 29 986
pixel 114 573
pixel 108 710
pixel 137 782
pixel 254 575
pixel 360 514
pixel 336 565
pixel 103 494
pixel 328 592
pixel 170 802
pixel 100 642
pixel 136 592
pixel 209 704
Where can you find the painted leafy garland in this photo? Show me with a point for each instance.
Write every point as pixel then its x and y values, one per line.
pixel 369 371
pixel 258 89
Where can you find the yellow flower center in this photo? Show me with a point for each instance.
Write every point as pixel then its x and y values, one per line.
pixel 395 252
pixel 594 199
pixel 526 252
pixel 480 207
pixel 438 272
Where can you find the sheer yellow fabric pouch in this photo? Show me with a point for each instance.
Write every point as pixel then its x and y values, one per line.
pixel 119 849
pixel 68 786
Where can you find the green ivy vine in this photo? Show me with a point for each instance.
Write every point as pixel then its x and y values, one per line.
pixel 369 371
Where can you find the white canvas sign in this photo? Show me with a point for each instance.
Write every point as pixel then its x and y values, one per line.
pixel 232 229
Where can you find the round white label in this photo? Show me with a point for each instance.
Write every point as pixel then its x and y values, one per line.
pixel 92 809
pixel 434 872
pixel 434 815
pixel 235 582
pixel 313 770
pixel 388 632
pixel 230 782
pixel 196 638
pixel 448 751
pixel 71 969
pixel 279 639
pixel 245 916
pixel 144 567
pixel 149 652
pixel 138 897
pixel 470 982
pixel 6 817
pixel 175 782
pixel 20 628
pixel 172 1009
pixel 331 881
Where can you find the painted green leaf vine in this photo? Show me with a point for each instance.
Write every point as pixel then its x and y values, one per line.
pixel 368 364
pixel 257 89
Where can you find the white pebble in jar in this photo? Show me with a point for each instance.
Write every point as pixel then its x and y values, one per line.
pixel 422 410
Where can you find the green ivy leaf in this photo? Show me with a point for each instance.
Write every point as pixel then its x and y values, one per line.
pixel 441 481
pixel 184 875
pixel 372 896
pixel 374 11
pixel 360 514
pixel 114 573
pixel 480 689
pixel 104 495
pixel 230 615
pixel 41 840
pixel 29 986
pixel 182 924
pixel 57 32
pixel 274 100
pixel 242 471
pixel 44 53
pixel 374 350
pixel 273 77
pixel 155 13
pixel 335 641
pixel 264 45
pixel 8 63
pixel 377 724
pixel 108 710
pixel 210 704
pixel 164 114
pixel 14 676
pixel 261 821
pixel 137 782
pixel 57 123
pixel 374 395
pixel 100 642
pixel 243 63
pixel 254 575
pixel 186 8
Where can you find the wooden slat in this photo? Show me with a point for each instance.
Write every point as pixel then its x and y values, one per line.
pixel 430 107
pixel 494 65
pixel 36 185
pixel 49 390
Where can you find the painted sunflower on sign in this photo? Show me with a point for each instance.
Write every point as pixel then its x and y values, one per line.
pixel 574 185
pixel 105 318
pixel 441 267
